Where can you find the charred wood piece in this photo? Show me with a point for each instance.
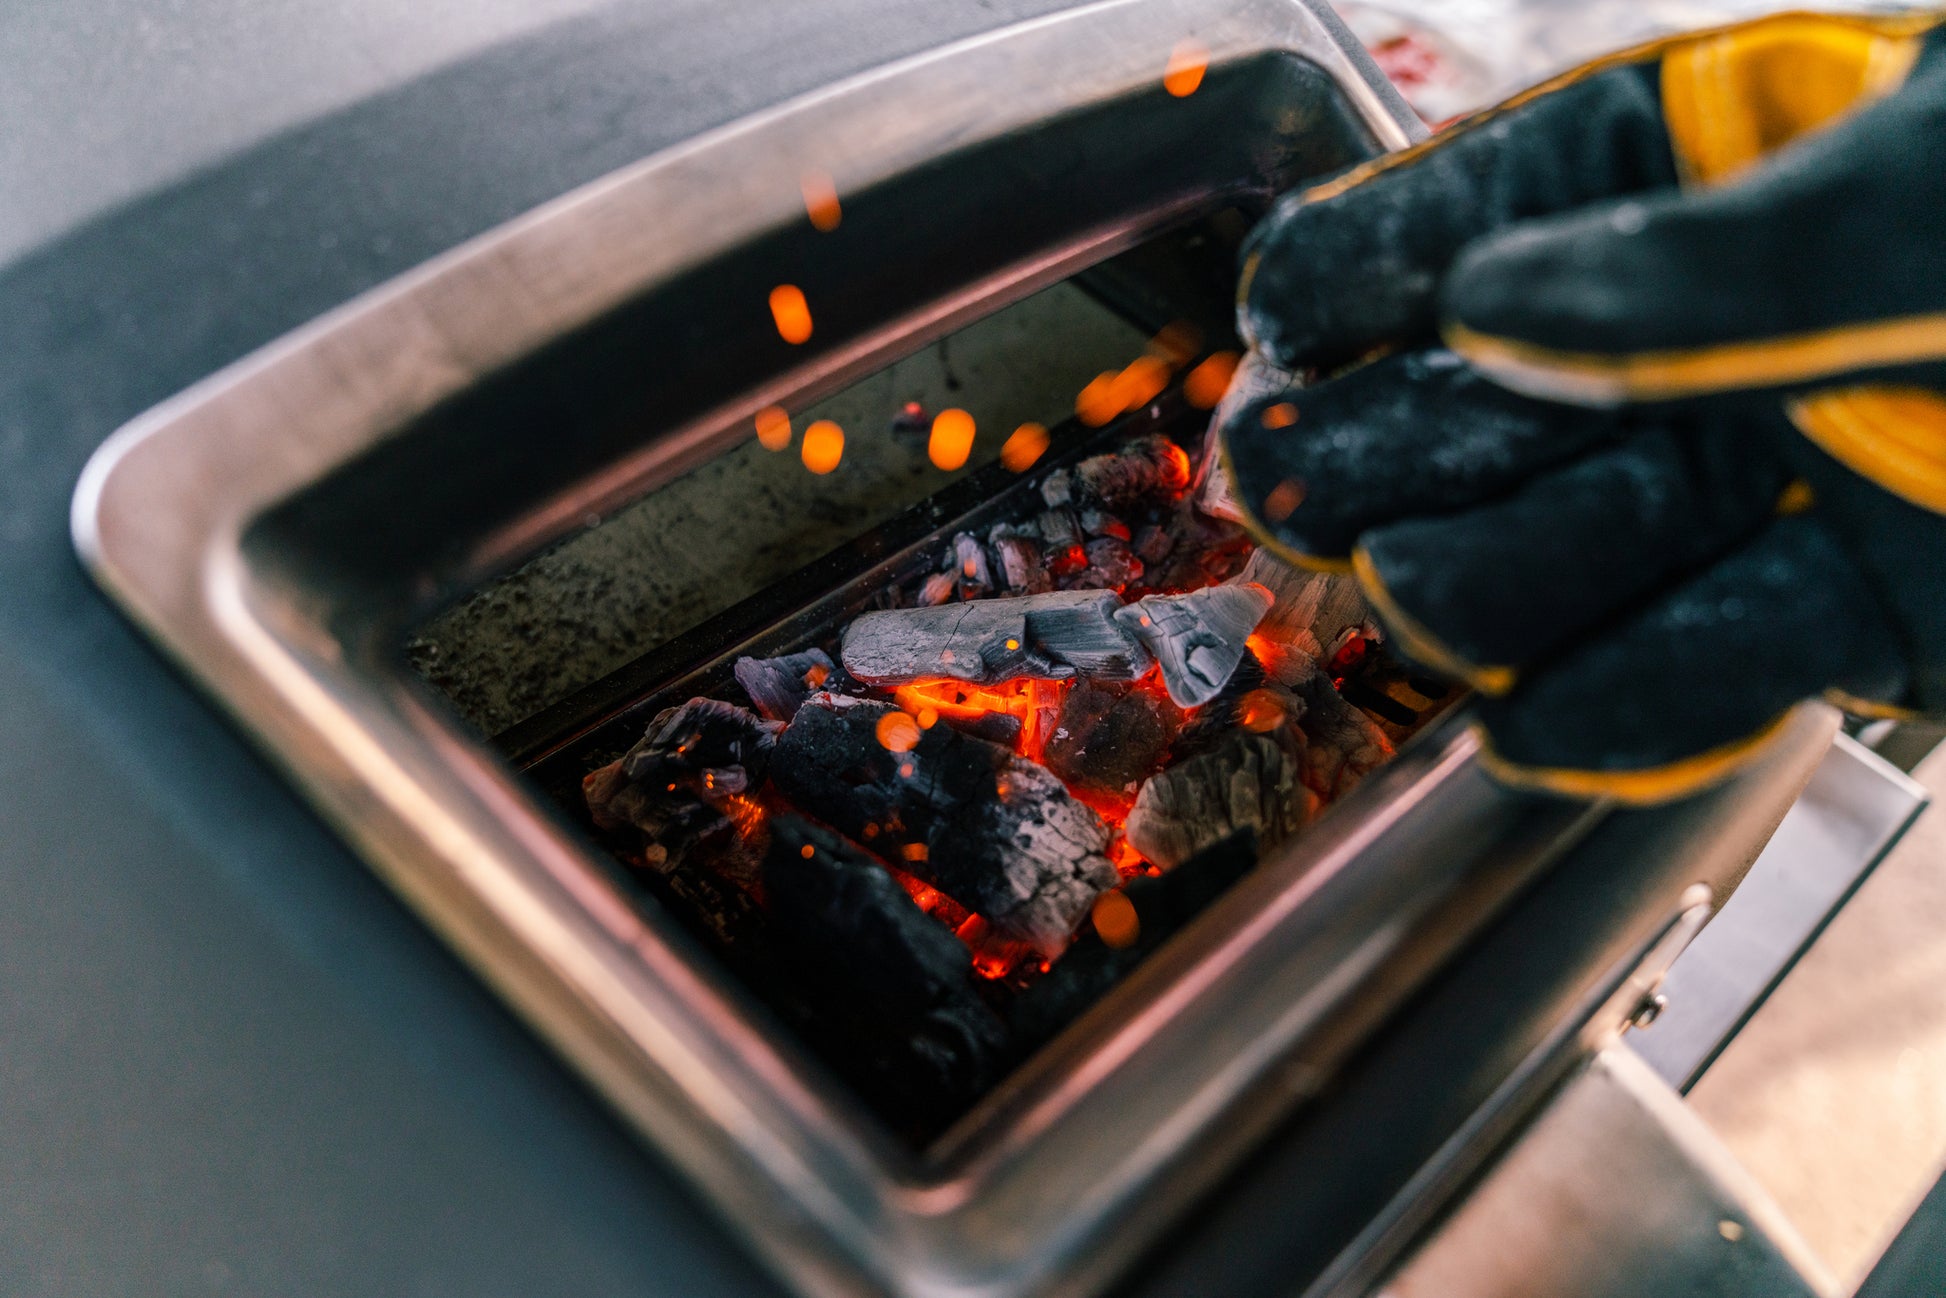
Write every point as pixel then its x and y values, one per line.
pixel 779 686
pixel 1020 563
pixel 975 573
pixel 1342 745
pixel 1144 472
pixel 856 943
pixel 1109 739
pixel 1197 638
pixel 995 832
pixel 1210 725
pixel 1052 636
pixel 1309 611
pixel 1249 783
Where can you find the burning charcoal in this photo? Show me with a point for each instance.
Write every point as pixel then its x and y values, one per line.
pixel 1343 744
pixel 995 832
pixel 1144 472
pixel 975 575
pixel 1099 522
pixel 1153 544
pixel 779 685
pixel 1162 906
pixel 1311 611
pixel 1110 739
pixel 938 589
pixel 1111 564
pixel 1050 637
pixel 1197 638
pixel 857 941
pixel 712 746
pixel 1215 721
pixel 1248 783
pixel 1061 543
pixel 1020 564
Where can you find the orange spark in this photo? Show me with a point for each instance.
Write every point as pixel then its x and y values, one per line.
pixel 1208 382
pixel 807 851
pixel 820 200
pixel 1023 447
pixel 1116 920
pixel 1098 402
pixel 1176 343
pixel 914 851
pixel 928 718
pixel 774 428
pixel 1281 415
pixel 791 312
pixel 952 439
pixel 898 732
pixel 1187 63
pixel 824 446
pixel 1283 500
pixel 1141 382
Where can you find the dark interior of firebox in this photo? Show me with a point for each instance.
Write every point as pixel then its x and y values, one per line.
pixel 932 757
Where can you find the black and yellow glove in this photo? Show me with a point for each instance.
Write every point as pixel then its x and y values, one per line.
pixel 1681 459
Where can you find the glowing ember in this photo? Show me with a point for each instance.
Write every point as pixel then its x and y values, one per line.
pixel 1176 343
pixel 824 446
pixel 1141 382
pixel 820 200
pixel 1281 415
pixel 952 439
pixel 913 851
pixel 774 428
pixel 791 312
pixel 928 718
pixel 1187 63
pixel 1116 920
pixel 817 675
pixel 1034 703
pixel 1098 402
pixel 807 851
pixel 1026 445
pixel 1206 384
pixel 898 732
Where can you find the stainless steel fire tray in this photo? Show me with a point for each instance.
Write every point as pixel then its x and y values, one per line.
pixel 278 526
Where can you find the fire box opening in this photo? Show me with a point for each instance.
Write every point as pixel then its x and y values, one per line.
pixel 936 706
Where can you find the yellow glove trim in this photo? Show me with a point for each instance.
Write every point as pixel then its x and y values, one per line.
pixel 1894 436
pixel 1416 641
pixel 1637 788
pixel 1613 379
pixel 1734 97
pixel 1873 709
pixel 1263 536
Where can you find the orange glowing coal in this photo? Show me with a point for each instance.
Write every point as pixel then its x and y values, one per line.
pixel 774 428
pixel 824 446
pixel 1034 703
pixel 791 312
pixel 1206 384
pixel 1260 710
pixel 952 439
pixel 1024 447
pixel 1184 72
pixel 820 200
pixel 898 732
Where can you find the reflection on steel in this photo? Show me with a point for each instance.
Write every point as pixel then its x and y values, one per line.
pixel 1848 817
pixel 1617 1190
pixel 279 525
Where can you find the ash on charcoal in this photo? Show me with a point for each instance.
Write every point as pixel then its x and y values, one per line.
pixel 857 943
pixel 1051 636
pixel 779 686
pixel 1215 721
pixel 997 833
pixel 1248 783
pixel 713 746
pixel 1163 905
pixel 1109 739
pixel 1099 522
pixel 975 573
pixel 1198 638
pixel 1342 746
pixel 1146 471
pixel 1020 562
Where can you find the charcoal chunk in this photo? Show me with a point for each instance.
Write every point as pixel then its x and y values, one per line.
pixel 1248 783
pixel 1051 637
pixel 997 833
pixel 1343 745
pixel 1144 472
pixel 1197 638
pixel 1108 739
pixel 779 686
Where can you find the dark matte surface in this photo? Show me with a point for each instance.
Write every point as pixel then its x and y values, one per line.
pixel 230 1062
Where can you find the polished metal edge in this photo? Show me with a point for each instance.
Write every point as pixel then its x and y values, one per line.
pixel 161 511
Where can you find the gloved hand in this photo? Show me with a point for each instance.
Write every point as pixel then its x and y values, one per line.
pixel 1681 460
